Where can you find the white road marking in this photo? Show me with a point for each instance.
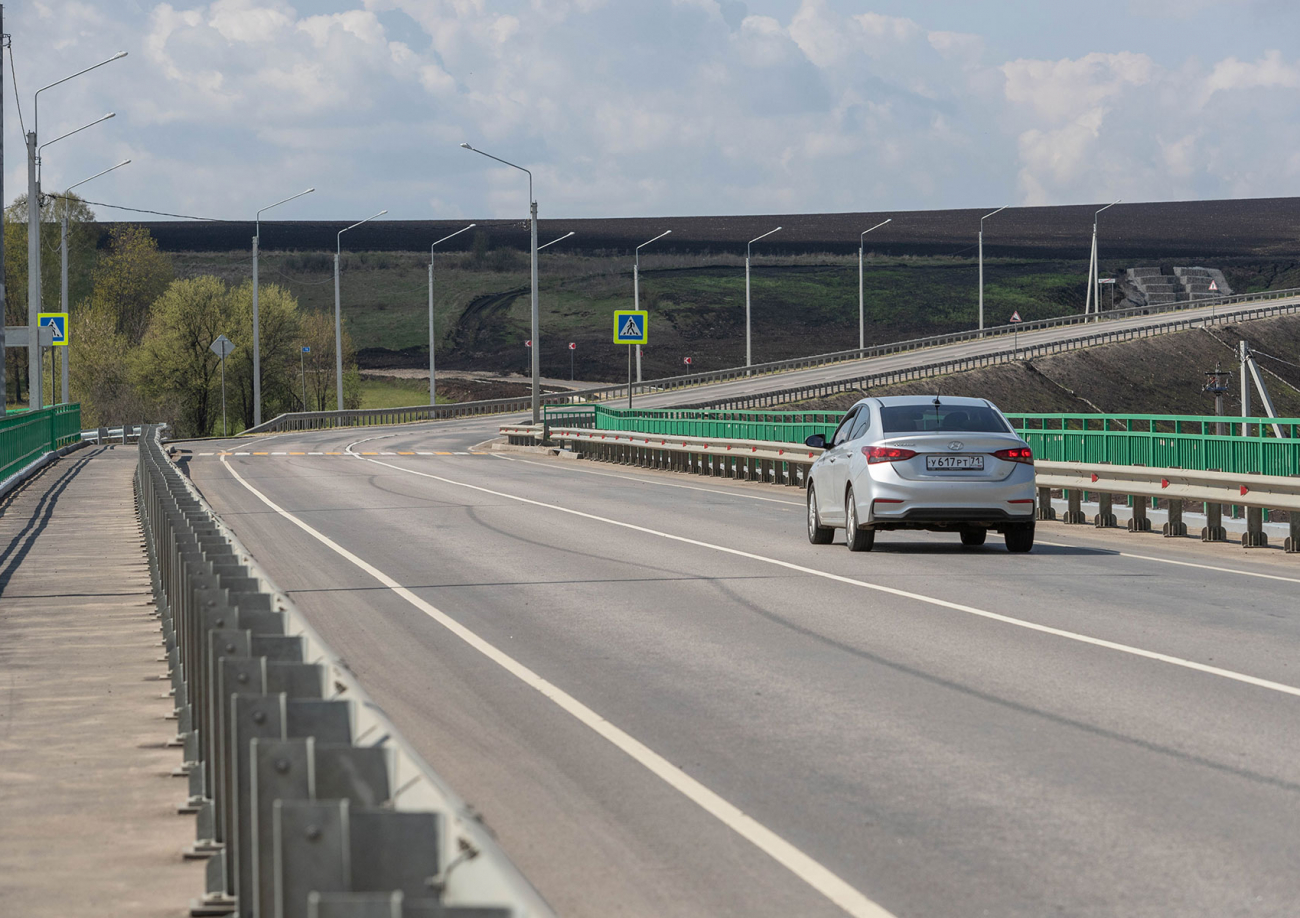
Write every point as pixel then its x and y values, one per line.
pixel 880 588
pixel 279 454
pixel 793 859
pixel 242 454
pixel 1196 564
pixel 424 454
pixel 315 454
pixel 203 454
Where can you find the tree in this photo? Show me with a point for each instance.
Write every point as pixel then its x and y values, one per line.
pixel 174 366
pixel 130 276
pixel 281 333
pixel 101 371
pixel 322 392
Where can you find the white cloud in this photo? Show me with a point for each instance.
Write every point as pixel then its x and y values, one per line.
pixel 653 107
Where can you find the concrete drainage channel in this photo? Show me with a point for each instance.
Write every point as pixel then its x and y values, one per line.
pixel 309 803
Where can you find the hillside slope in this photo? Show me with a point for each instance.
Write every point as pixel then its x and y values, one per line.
pixel 1163 375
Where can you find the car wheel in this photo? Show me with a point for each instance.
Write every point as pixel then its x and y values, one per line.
pixel 856 539
pixel 973 537
pixel 817 533
pixel 1021 538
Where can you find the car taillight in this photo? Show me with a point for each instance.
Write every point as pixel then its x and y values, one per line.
pixel 1019 454
pixel 876 454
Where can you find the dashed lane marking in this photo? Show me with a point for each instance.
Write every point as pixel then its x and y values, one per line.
pixel 811 872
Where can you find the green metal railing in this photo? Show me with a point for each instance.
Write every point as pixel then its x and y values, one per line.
pixel 777 426
pixel 25 436
pixel 1163 440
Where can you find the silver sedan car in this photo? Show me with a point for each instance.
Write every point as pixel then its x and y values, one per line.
pixel 941 463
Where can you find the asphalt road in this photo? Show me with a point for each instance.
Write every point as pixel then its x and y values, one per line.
pixel 1107 726
pixel 992 344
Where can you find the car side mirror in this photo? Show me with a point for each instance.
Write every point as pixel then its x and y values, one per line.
pixel 817 441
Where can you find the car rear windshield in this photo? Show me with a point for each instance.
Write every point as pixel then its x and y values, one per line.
pixel 921 418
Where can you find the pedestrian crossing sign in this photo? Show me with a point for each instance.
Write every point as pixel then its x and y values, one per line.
pixel 58 322
pixel 630 326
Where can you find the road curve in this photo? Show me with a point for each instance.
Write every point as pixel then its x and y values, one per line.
pixel 943 731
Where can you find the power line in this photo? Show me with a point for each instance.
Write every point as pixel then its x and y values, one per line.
pixel 157 213
pixel 1278 359
pixel 18 102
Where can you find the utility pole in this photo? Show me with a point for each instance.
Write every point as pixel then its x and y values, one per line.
pixel 1218 387
pixel 1245 387
pixel 35 397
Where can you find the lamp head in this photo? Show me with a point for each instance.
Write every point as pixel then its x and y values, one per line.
pixel 118 56
pixel 467 146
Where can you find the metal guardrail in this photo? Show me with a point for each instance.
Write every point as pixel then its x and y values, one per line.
pixel 309 801
pixel 26 436
pixel 959 364
pixel 751 460
pixel 1176 487
pixel 317 420
pixel 127 433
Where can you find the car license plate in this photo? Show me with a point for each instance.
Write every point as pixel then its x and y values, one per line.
pixel 954 463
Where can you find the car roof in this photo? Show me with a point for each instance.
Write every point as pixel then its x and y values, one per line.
pixel 886 401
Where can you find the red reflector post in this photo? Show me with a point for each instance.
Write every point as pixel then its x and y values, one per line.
pixel 876 454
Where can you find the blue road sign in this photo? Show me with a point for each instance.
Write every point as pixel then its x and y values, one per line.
pixel 630 326
pixel 58 322
pixel 306 349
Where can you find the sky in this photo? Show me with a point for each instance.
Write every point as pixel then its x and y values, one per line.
pixel 655 107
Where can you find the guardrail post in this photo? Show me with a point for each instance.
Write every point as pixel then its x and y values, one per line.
pixel 1074 512
pixel 1254 536
pixel 1175 526
pixel 1105 517
pixel 1292 543
pixel 1214 530
pixel 1139 522
pixel 1045 510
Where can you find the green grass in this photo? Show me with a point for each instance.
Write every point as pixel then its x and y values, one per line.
pixel 400 393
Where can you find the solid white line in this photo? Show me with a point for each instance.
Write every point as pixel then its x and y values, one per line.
pixel 793 859
pixel 1195 564
pixel 931 600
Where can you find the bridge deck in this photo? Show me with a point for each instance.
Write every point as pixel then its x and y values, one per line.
pixel 88 820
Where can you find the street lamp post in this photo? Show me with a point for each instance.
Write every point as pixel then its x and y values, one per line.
pixel 1092 302
pixel 36 397
pixel 636 289
pixel 862 311
pixel 536 348
pixel 63 258
pixel 338 314
pixel 257 330
pixel 433 389
pixel 981 257
pixel 748 352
